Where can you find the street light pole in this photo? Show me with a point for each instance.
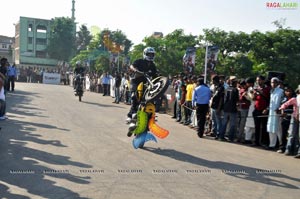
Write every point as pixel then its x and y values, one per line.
pixel 205 69
pixel 118 61
pixel 206 44
pixel 121 49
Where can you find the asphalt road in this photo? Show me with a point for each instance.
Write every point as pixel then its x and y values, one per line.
pixel 53 146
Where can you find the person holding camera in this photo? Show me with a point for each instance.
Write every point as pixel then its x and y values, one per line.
pixel 261 97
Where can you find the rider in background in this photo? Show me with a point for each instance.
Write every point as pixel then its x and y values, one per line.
pixel 78 72
pixel 143 65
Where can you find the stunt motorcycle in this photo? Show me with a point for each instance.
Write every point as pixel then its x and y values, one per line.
pixel 143 124
pixel 79 86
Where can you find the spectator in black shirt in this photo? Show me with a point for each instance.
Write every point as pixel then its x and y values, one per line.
pixel 216 105
pixel 117 85
pixel 231 99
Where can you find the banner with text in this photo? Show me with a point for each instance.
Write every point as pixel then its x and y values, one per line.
pixel 51 78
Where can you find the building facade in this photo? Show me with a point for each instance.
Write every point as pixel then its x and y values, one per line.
pixel 31 39
pixel 6 47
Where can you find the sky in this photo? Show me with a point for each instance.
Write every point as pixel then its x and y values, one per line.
pixel 138 19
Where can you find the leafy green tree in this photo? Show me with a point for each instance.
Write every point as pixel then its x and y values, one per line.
pixel 101 46
pixel 83 38
pixel 284 53
pixel 137 52
pixel 102 63
pixel 233 47
pixel 240 53
pixel 169 50
pixel 245 55
pixel 62 39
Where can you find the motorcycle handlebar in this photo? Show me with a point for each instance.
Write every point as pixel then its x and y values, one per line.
pixel 142 73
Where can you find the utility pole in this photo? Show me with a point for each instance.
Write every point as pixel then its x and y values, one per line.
pixel 74 23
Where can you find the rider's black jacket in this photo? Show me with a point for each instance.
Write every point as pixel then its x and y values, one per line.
pixel 143 66
pixel 79 70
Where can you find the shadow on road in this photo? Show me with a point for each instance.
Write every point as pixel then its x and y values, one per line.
pixel 30 169
pixel 239 171
pixel 5 193
pixel 102 105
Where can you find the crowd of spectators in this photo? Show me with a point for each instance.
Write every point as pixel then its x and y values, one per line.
pixel 257 111
pixel 104 83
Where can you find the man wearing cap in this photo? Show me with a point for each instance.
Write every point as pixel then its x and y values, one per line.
pixel 276 97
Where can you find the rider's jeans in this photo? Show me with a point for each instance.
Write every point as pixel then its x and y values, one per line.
pixel 134 101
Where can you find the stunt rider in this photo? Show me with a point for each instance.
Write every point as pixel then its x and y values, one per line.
pixel 143 65
pixel 78 72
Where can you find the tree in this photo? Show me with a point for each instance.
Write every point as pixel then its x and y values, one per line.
pixel 83 38
pixel 169 50
pixel 102 63
pixel 62 39
pixel 102 46
pixel 241 54
pixel 234 47
pixel 257 53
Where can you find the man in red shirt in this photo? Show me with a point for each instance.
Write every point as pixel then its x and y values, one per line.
pixel 260 113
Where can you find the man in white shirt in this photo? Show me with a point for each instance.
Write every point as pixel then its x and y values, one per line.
pixel 277 95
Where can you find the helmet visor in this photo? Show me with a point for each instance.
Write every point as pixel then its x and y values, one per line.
pixel 151 55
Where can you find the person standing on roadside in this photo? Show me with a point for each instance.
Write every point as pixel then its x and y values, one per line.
pixel 12 74
pixel 231 98
pixel 200 99
pixel 273 127
pixel 2 98
pixel 261 97
pixel 118 80
pixel 216 105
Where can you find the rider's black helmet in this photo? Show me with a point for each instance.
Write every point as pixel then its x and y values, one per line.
pixel 78 63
